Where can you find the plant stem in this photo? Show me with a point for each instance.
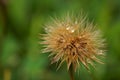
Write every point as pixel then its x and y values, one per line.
pixel 7 74
pixel 71 72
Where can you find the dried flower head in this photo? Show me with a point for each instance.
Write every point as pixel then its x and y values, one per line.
pixel 73 40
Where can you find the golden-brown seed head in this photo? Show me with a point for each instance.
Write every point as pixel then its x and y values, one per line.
pixel 74 41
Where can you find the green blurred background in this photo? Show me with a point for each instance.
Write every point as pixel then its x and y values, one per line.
pixel 21 21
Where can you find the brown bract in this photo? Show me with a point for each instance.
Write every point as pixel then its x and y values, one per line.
pixel 74 41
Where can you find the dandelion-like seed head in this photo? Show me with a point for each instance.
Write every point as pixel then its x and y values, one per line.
pixel 73 40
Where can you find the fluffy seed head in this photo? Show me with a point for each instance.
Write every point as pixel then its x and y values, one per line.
pixel 73 40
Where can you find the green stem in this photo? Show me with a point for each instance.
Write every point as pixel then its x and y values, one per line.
pixel 71 72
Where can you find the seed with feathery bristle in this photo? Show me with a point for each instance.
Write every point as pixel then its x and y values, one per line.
pixel 73 40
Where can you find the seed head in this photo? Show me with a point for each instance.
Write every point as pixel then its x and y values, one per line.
pixel 73 40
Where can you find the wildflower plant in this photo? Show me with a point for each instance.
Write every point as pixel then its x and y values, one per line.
pixel 74 40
